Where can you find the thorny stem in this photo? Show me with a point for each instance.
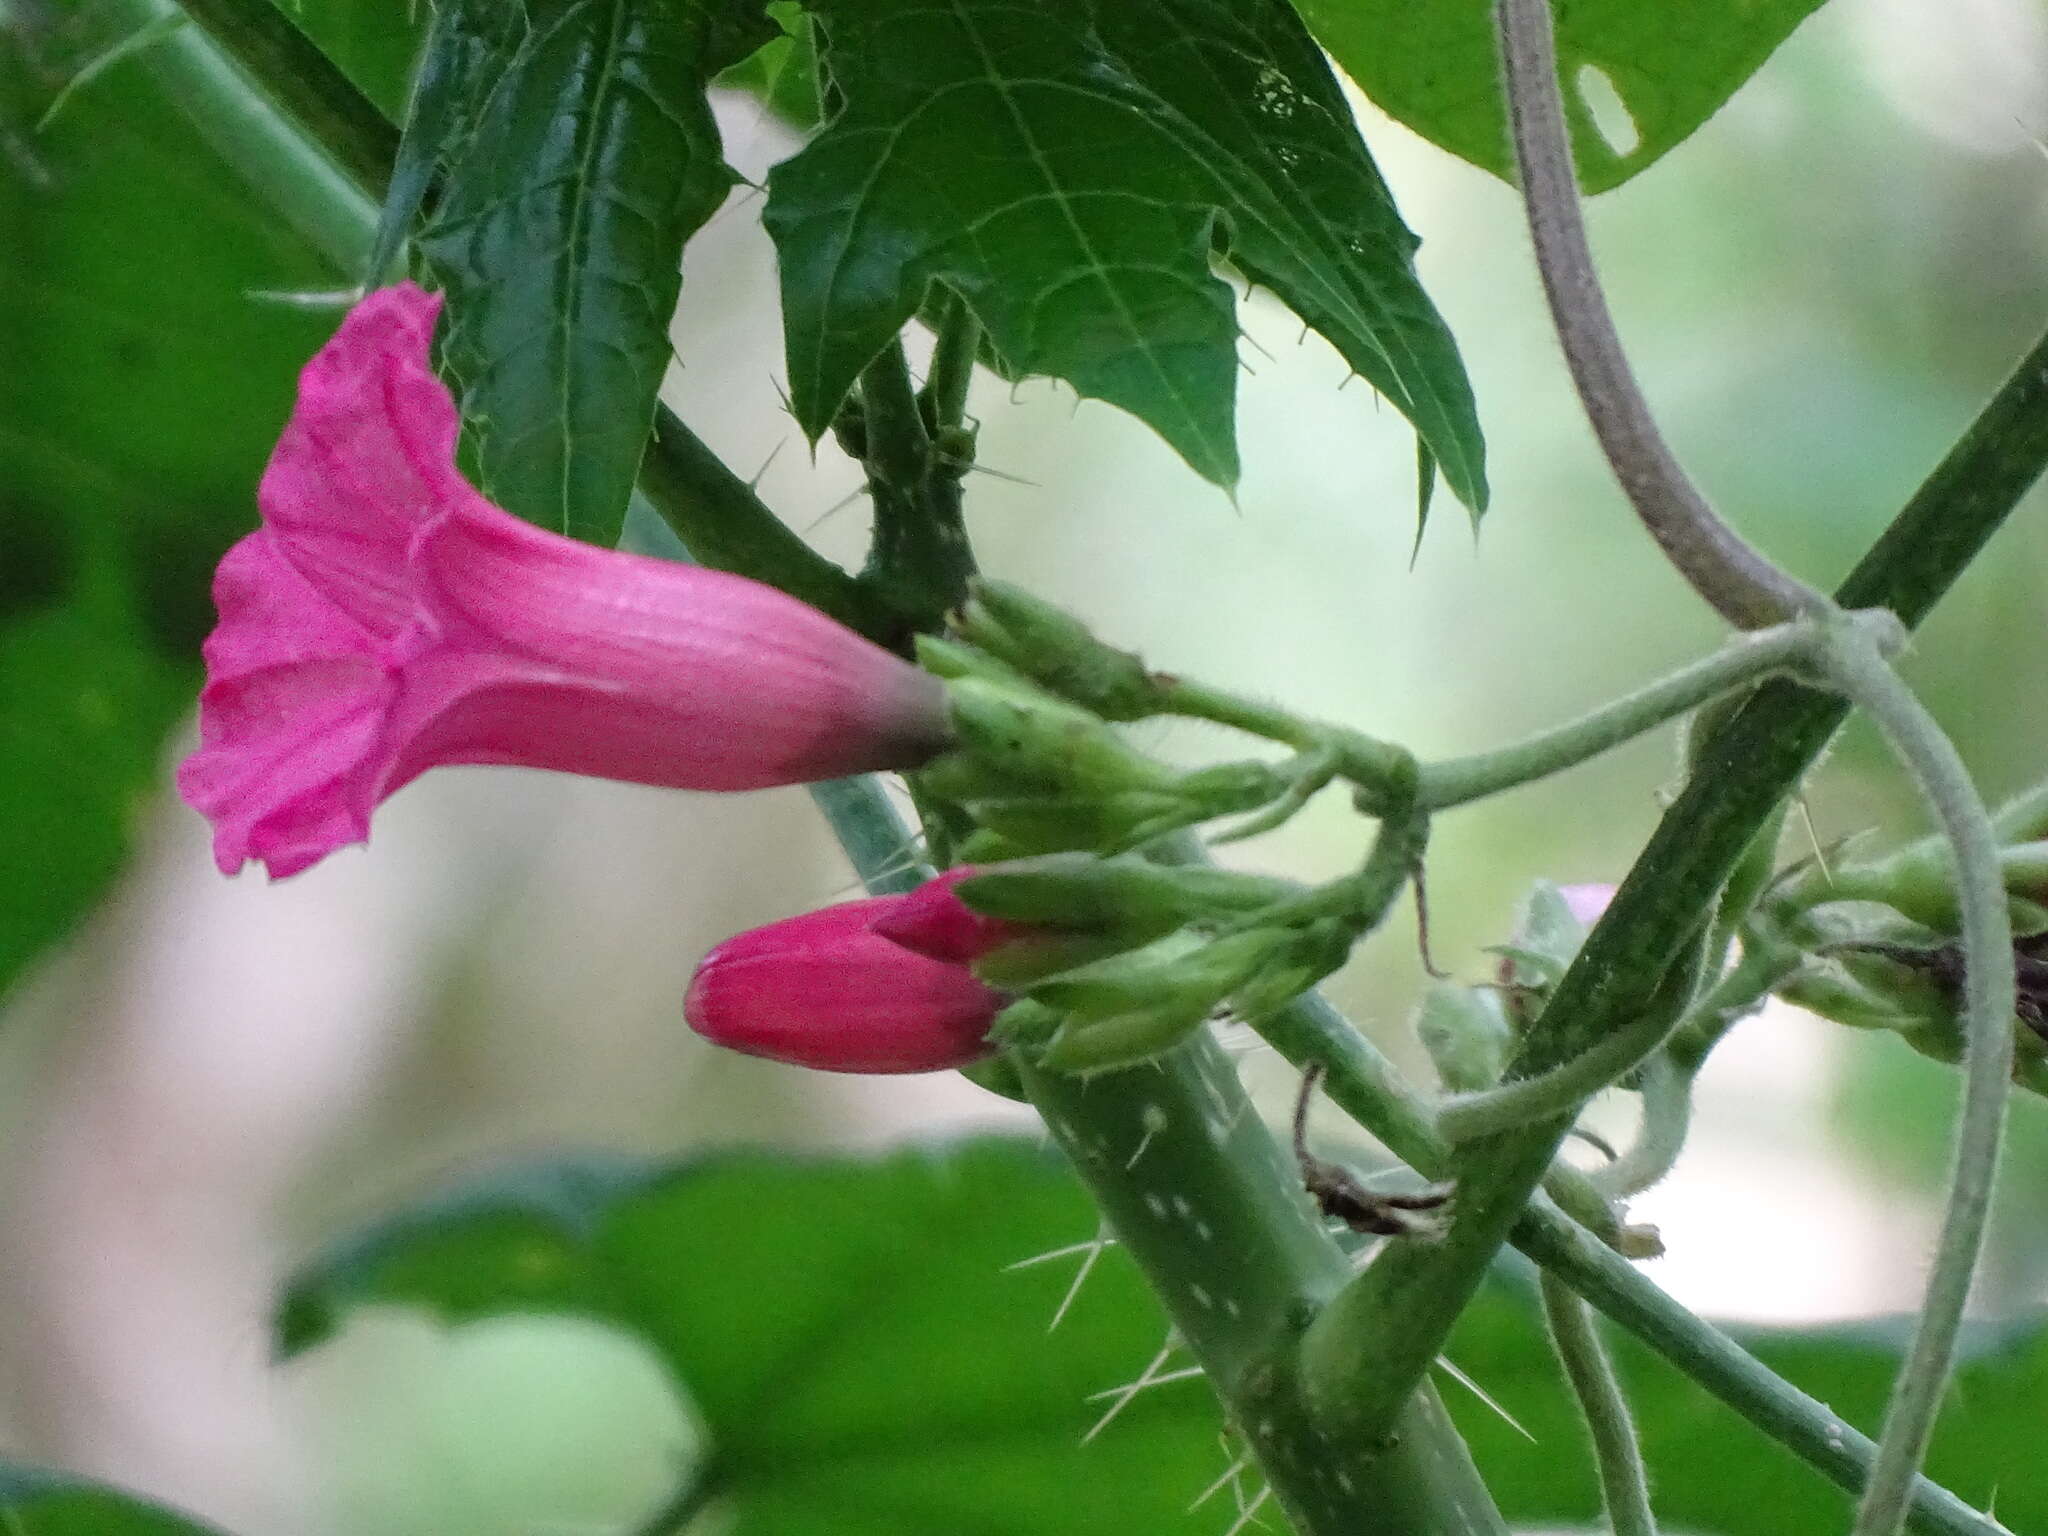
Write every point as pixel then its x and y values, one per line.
pixel 920 561
pixel 1932 761
pixel 1743 587
pixel 1624 1486
pixel 726 526
pixel 1366 1086
pixel 1230 1243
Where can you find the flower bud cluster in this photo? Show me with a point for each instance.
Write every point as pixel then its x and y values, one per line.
pixel 1881 940
pixel 1037 773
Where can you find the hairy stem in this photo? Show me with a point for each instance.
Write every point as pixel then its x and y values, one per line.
pixel 1564 1089
pixel 1366 1086
pixel 1666 1120
pixel 1624 1486
pixel 1988 983
pixel 1743 587
pixel 1748 657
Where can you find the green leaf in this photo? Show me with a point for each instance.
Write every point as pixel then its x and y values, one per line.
pixel 558 239
pixel 466 47
pixel 373 42
pixel 1710 1473
pixel 1654 72
pixel 1310 216
pixel 1070 176
pixel 113 509
pixel 851 1333
pixel 783 74
pixel 38 1502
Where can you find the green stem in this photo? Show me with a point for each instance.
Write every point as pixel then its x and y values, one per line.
pixel 1743 587
pixel 312 183
pixel 1808 1429
pixel 1366 1086
pixel 1988 985
pixel 1744 659
pixel 726 526
pixel 1212 1209
pixel 1378 766
pixel 1666 1121
pixel 1210 1206
pixel 1624 1487
pixel 322 100
pixel 1564 1089
pixel 1744 769
pixel 956 347
pixel 920 561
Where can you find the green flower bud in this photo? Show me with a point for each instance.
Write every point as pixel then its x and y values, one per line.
pixel 1058 651
pixel 950 659
pixel 1309 955
pixel 1085 1046
pixel 1467 1034
pixel 1054 824
pixel 1032 738
pixel 1123 895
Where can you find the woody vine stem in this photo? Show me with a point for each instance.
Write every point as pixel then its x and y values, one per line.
pixel 1323 1371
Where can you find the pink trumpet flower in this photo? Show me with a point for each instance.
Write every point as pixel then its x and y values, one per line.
pixel 827 990
pixel 386 619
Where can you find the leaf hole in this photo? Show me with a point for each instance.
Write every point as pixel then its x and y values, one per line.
pixel 1609 112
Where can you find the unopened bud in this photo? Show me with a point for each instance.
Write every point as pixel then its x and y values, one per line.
pixel 1467 1035
pixel 1058 651
pixel 1033 738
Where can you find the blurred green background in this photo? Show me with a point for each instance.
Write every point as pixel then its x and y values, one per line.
pixel 210 1078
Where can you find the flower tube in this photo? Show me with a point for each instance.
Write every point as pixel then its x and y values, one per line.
pixel 827 990
pixel 386 619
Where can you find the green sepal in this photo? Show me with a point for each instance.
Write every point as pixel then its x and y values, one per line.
pixel 1121 894
pixel 1014 967
pixel 1467 1034
pixel 1032 738
pixel 1057 824
pixel 1085 1046
pixel 952 659
pixel 1310 954
pixel 1025 1024
pixel 1058 651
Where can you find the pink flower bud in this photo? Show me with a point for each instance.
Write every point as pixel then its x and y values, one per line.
pixel 386 619
pixel 826 990
pixel 935 922
pixel 1586 902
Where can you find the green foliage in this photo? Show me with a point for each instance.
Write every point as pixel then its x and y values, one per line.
pixel 1710 1474
pixel 783 73
pixel 585 158
pixel 35 1502
pixel 1432 66
pixel 848 1332
pixel 135 415
pixel 373 42
pixel 1070 174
